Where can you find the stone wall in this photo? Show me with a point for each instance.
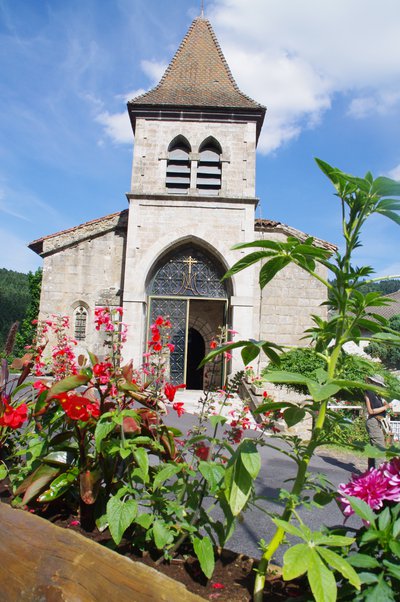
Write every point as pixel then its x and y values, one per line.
pixel 237 140
pixel 85 270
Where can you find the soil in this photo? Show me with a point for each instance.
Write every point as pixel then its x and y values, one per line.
pixel 233 578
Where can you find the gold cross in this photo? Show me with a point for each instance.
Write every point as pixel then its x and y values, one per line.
pixel 190 261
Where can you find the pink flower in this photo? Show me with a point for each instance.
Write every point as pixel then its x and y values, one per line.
pixel 372 486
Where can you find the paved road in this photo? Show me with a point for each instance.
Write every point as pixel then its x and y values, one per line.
pixel 276 469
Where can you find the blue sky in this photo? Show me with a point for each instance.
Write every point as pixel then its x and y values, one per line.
pixel 328 72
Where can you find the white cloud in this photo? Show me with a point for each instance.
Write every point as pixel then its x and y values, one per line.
pixel 153 69
pixel 294 57
pixel 116 126
pixel 395 173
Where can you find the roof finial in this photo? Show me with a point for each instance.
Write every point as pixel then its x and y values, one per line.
pixel 202 9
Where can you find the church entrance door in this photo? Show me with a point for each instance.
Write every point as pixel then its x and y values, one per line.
pixel 186 286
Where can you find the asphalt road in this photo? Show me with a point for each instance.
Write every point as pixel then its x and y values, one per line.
pixel 276 469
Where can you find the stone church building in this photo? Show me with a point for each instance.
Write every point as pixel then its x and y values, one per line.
pixel 192 198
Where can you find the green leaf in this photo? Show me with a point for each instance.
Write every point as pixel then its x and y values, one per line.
pixel 341 565
pixel 103 429
pixel 363 561
pixel 321 579
pixel 59 458
pixel 67 384
pixel 384 519
pixel 383 186
pixel 250 457
pixel 142 459
pixel 288 527
pixel 368 578
pixel 393 569
pixel 60 485
pixel 395 548
pixel 281 377
pixel 321 392
pixel 37 481
pixel 333 540
pixel 119 516
pixel 162 535
pixel 165 473
pixel 246 262
pixel 249 353
pixel 271 268
pixel 396 529
pixel 362 509
pixel 293 415
pixel 212 472
pixel 296 561
pixel 204 551
pixel 144 520
pixel 238 484
pixel 3 471
pixel 215 420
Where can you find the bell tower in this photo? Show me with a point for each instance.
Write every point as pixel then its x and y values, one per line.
pixel 192 193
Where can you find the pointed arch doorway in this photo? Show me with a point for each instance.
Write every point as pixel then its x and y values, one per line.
pixel 186 286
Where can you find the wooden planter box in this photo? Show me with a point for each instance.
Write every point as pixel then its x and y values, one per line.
pixel 42 562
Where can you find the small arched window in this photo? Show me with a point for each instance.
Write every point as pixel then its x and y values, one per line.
pixel 209 168
pixel 178 166
pixel 80 323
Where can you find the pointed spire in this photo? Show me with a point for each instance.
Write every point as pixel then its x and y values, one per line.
pixel 198 75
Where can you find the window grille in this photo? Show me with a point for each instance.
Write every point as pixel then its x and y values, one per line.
pixel 178 167
pixel 209 169
pixel 80 323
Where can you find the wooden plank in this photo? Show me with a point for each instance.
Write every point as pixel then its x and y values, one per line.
pixel 40 561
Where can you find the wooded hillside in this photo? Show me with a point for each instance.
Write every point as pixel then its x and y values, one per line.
pixel 14 300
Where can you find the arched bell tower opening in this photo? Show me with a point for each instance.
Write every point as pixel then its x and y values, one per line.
pixel 185 285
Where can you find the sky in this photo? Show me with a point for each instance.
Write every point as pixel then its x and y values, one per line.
pixel 328 73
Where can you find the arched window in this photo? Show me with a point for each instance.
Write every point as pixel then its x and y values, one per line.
pixel 209 168
pixel 80 322
pixel 178 166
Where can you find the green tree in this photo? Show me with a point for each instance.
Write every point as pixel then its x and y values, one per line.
pixel 27 329
pixel 14 300
pixel 389 355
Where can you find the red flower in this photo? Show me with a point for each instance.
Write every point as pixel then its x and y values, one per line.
pixel 77 407
pixel 171 347
pixel 202 452
pixel 157 347
pixel 218 586
pixel 213 345
pixel 40 386
pixel 159 321
pixel 170 390
pixel 13 417
pixel 178 407
pixel 102 372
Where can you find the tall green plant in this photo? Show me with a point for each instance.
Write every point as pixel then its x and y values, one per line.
pixel 352 313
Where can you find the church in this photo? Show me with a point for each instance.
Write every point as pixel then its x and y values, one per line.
pixel 192 197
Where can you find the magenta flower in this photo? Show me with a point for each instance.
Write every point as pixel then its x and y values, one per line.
pixel 391 470
pixel 371 487
pixel 374 487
